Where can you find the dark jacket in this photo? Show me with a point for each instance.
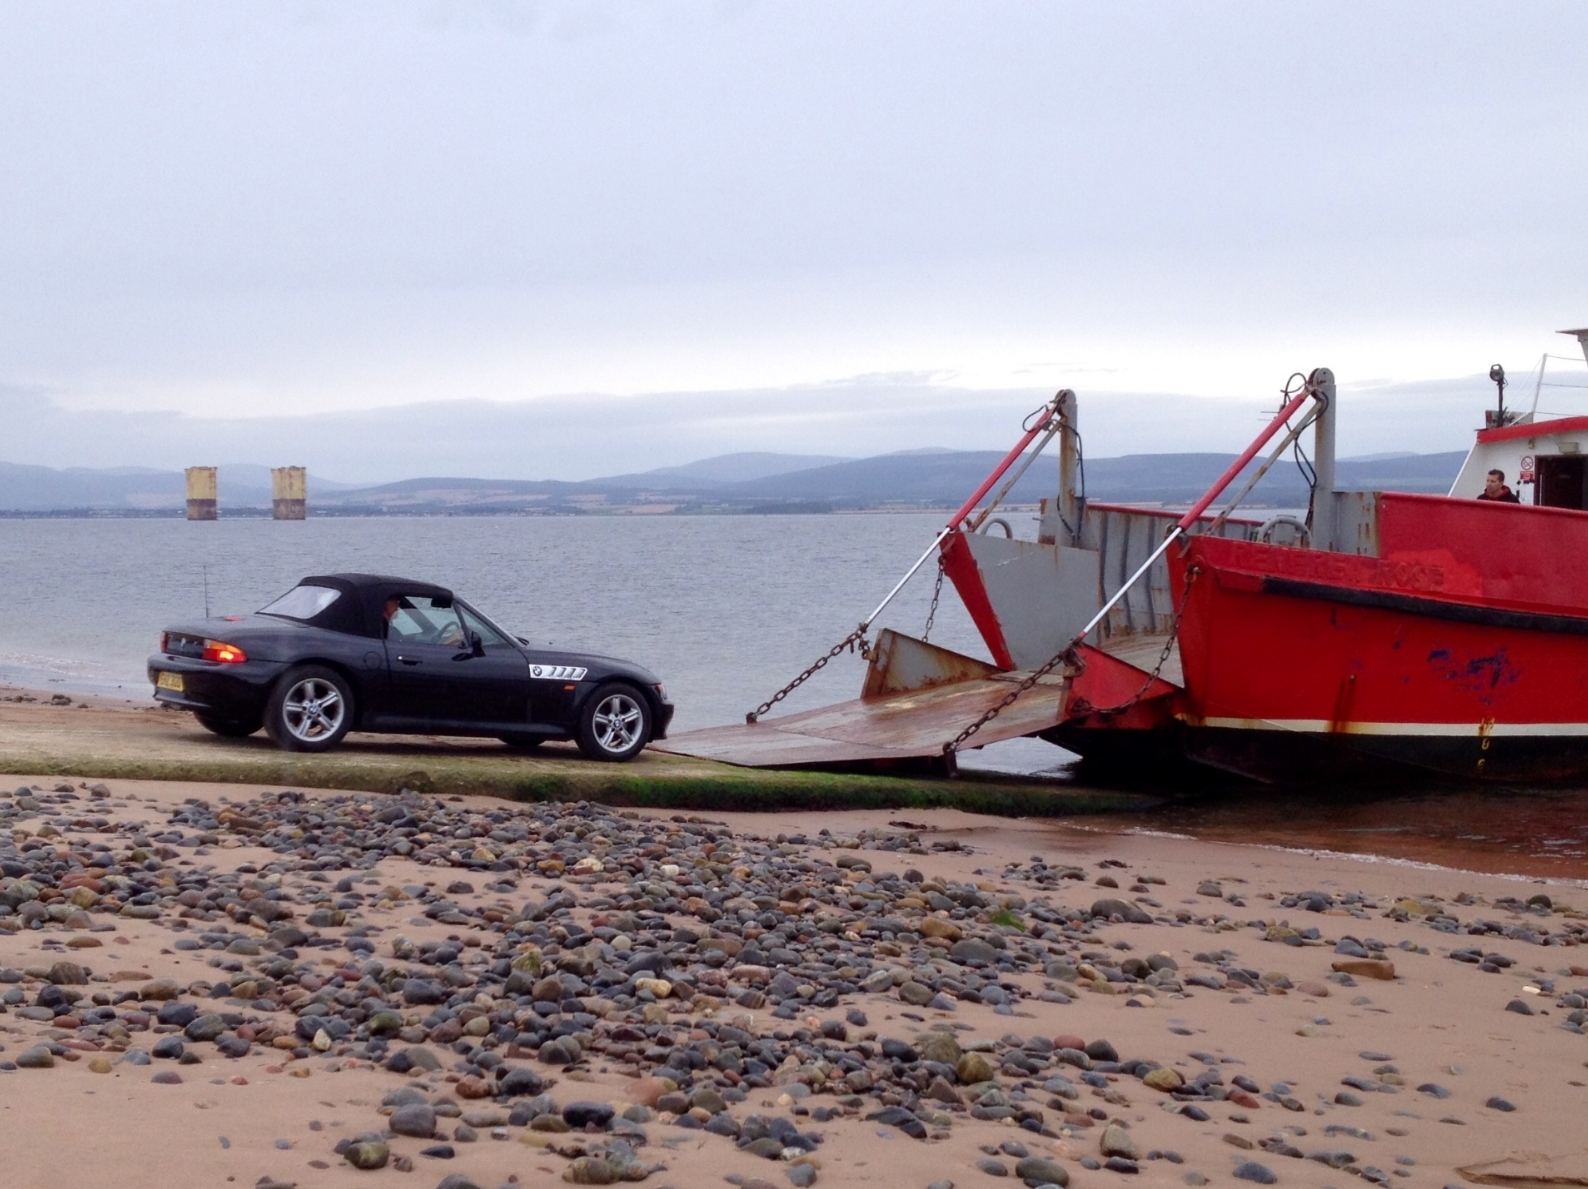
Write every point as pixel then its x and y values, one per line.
pixel 1506 496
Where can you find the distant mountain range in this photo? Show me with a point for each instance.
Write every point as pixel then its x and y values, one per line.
pixel 748 482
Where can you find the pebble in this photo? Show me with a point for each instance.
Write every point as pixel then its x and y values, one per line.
pixel 38 1057
pixel 580 1115
pixel 1332 1158
pixel 1250 1170
pixel 368 1155
pixel 1116 1141
pixel 1038 1170
pixel 413 1119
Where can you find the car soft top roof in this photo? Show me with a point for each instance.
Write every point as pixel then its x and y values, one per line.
pixel 359 614
pixel 362 582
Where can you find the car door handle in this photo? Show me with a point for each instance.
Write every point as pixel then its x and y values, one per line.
pixel 409 660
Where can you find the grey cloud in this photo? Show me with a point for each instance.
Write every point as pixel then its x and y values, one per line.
pixel 253 208
pixel 586 436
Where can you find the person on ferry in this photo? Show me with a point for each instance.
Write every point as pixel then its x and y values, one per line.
pixel 1494 488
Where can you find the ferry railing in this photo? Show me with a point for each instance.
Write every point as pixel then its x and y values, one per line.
pixel 1124 536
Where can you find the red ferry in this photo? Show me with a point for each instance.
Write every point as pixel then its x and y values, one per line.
pixel 1380 632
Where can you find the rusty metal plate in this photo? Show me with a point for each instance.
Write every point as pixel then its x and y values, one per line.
pixel 902 664
pixel 895 727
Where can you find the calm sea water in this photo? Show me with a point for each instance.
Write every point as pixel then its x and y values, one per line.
pixel 724 608
pixel 721 607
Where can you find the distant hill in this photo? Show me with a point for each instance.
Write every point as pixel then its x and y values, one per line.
pixel 737 468
pixel 932 478
pixel 918 479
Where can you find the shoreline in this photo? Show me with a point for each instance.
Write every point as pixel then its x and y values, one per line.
pixel 1317 852
pixel 1525 833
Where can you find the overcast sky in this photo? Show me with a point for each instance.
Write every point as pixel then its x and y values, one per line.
pixel 630 235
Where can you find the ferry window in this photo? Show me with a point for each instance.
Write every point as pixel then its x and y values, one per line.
pixel 1562 481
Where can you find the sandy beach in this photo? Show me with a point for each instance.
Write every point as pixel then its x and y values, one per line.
pixel 957 969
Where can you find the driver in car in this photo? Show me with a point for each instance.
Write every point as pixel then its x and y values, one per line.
pixel 414 626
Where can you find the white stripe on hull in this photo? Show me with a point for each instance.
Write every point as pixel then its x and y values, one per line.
pixel 1471 730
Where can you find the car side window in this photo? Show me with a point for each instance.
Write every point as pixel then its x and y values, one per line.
pixel 419 619
pixel 489 636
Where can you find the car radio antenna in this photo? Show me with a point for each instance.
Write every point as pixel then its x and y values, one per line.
pixel 206 592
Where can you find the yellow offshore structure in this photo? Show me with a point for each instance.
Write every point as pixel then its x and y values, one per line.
pixel 289 493
pixel 201 493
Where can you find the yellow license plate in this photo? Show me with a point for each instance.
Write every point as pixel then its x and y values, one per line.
pixel 170 681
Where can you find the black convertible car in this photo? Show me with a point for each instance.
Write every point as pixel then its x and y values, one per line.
pixel 341 652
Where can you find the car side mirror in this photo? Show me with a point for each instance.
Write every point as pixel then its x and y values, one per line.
pixel 476 645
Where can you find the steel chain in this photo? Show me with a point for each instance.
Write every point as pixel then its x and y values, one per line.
pixel 858 636
pixel 937 592
pixel 1053 663
pixel 1163 654
pixel 1037 675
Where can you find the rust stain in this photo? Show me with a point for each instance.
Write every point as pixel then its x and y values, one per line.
pixel 1342 705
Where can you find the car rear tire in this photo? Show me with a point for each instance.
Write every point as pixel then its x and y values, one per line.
pixel 615 723
pixel 229 728
pixel 522 742
pixel 311 709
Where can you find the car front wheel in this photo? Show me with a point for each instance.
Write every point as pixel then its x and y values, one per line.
pixel 615 723
pixel 310 710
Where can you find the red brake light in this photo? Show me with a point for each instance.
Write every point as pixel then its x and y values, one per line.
pixel 165 641
pixel 226 654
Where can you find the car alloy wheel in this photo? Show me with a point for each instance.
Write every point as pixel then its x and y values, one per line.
pixel 615 723
pixel 313 710
pixel 618 721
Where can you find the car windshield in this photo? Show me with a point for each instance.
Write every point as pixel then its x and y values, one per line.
pixel 303 602
pixel 490 635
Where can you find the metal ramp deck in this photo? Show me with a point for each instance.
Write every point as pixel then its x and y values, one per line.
pixel 917 698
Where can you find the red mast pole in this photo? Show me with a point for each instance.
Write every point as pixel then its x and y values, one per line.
pixel 1247 455
pixel 1009 460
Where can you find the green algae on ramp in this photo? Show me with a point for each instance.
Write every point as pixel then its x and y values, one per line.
pixel 114 742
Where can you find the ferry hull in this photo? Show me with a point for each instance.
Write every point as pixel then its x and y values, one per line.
pixel 1278 756
pixel 1297 662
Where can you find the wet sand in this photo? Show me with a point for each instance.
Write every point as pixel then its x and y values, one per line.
pixel 277 1116
pixel 1502 830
